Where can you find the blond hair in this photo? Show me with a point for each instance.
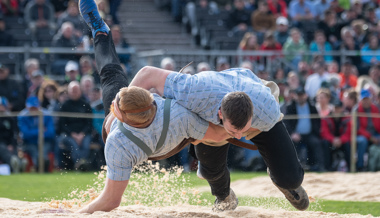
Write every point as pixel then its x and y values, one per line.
pixel 134 98
pixel 47 83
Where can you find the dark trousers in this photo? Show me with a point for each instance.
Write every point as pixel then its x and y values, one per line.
pixel 112 76
pixel 277 150
pixel 314 152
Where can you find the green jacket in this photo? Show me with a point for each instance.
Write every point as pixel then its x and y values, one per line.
pixel 294 49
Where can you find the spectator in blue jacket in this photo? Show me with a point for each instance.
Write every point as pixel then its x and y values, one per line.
pixel 371 46
pixel 29 130
pixel 321 45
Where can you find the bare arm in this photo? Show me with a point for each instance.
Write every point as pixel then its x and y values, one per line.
pixel 109 199
pixel 151 78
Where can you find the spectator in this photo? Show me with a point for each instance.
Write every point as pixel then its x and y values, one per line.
pixel 349 99
pixel 350 44
pixel 240 18
pixel 168 64
pixel 87 68
pixel 103 8
pixel 48 95
pixel 222 64
pixel 371 19
pixel 305 131
pixel 320 45
pixel 39 14
pixel 9 7
pixel 11 90
pixel 8 130
pixel 65 38
pixel 262 19
pixel 37 79
pixel 30 65
pixel 336 135
pixel 71 72
pixel 86 86
pixel 334 82
pixel 203 66
pixel 371 46
pixel 71 14
pixel 360 34
pixel 270 43
pixel 314 81
pixel 120 42
pixel 247 65
pixel 323 105
pixel 347 78
pixel 278 8
pixel 333 68
pixel 293 80
pixel 279 74
pixel 300 11
pixel 76 132
pixel 295 47
pixel 29 130
pixel 200 7
pixel 320 6
pixel 6 39
pixel 304 71
pixel 369 127
pixel 331 28
pixel 249 43
pixel 281 34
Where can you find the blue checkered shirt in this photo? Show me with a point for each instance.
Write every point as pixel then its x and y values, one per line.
pixel 202 93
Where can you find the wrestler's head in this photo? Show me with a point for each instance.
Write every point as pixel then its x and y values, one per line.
pixel 236 112
pixel 136 105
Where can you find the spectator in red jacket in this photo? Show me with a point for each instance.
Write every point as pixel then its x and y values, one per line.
pixel 336 135
pixel 369 127
pixel 278 8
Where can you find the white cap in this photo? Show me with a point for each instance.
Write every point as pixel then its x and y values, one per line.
pixel 71 65
pixel 282 20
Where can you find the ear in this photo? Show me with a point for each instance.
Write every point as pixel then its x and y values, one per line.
pixel 220 114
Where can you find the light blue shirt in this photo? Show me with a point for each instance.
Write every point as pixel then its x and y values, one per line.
pixel 303 124
pixel 122 154
pixel 202 93
pixel 295 8
pixel 320 7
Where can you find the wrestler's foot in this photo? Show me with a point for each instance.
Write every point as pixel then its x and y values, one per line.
pixel 90 13
pixel 229 203
pixel 297 197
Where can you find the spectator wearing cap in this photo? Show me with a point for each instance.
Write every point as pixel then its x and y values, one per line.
pixel 305 131
pixel 295 47
pixel 336 136
pixel 282 30
pixel 29 129
pixel 37 79
pixel 314 81
pixel 369 127
pixel 8 131
pixel 347 78
pixel 71 72
pixel 320 45
pixel 11 90
pixel 75 132
pixel 6 39
pixel 39 14
pixel 278 8
pixel 203 66
pixel 373 47
pixel 30 65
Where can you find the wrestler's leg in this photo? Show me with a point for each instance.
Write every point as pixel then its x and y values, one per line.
pixel 213 167
pixel 112 76
pixel 280 156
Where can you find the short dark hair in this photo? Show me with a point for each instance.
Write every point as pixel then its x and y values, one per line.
pixel 237 107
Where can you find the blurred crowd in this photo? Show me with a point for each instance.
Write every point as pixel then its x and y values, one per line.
pixel 323 86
